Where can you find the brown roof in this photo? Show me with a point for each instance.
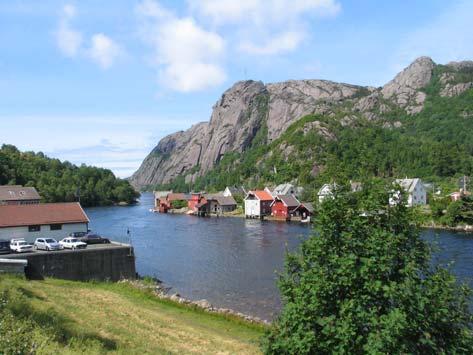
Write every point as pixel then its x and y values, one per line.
pixel 17 193
pixel 40 214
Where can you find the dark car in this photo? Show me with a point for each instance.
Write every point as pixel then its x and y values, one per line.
pixel 5 247
pixel 77 234
pixel 92 238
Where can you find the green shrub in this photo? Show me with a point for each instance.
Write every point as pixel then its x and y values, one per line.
pixel 179 204
pixel 363 283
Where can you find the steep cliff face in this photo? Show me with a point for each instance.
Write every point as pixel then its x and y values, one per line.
pixel 236 118
pixel 249 108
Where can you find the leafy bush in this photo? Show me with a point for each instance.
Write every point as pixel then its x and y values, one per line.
pixel 364 284
pixel 179 204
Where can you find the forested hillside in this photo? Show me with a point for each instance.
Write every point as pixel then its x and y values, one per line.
pixel 376 135
pixel 58 181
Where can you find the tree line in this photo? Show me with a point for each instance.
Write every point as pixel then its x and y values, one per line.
pixel 58 181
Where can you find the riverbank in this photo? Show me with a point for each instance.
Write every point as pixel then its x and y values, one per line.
pixel 233 214
pixel 162 292
pixel 460 228
pixel 78 317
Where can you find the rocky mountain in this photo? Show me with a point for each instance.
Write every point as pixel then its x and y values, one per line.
pixel 251 112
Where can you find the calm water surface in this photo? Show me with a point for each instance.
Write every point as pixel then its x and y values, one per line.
pixel 231 262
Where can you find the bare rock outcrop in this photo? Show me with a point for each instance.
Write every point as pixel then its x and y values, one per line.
pixel 403 89
pixel 235 120
pixel 250 109
pixel 296 98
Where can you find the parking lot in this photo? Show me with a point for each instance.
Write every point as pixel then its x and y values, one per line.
pixel 112 245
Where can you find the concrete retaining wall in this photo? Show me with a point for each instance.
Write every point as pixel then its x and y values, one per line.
pixel 112 262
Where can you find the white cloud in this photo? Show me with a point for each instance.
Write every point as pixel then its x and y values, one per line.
pixel 188 56
pixel 258 23
pixel 284 42
pixel 103 50
pixel 68 39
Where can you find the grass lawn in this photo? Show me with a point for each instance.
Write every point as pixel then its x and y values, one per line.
pixel 110 317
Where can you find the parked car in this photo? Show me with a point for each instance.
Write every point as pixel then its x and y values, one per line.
pixel 92 238
pixel 4 246
pixel 20 246
pixel 72 243
pixel 47 244
pixel 77 234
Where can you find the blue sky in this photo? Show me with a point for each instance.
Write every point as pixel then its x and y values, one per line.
pixel 100 82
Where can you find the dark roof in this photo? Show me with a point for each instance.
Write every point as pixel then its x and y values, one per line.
pixel 221 200
pixel 308 206
pixel 40 214
pixel 17 193
pixel 288 200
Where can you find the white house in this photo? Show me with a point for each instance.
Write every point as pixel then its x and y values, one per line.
pixel 54 220
pixel 258 204
pixel 326 191
pixel 415 189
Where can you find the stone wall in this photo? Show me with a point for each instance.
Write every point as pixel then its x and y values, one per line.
pixel 112 262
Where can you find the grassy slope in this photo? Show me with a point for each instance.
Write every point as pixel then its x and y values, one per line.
pixel 121 319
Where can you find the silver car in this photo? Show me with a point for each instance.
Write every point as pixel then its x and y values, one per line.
pixel 47 244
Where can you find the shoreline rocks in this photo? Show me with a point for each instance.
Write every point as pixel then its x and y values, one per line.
pixel 162 292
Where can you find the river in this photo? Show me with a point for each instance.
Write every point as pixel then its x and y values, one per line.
pixel 231 262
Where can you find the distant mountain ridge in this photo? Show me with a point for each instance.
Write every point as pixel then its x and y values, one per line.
pixel 251 113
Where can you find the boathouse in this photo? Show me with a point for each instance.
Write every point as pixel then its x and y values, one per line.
pixel 304 210
pixel 283 206
pixel 53 220
pixel 258 204
pixel 160 199
pixel 219 204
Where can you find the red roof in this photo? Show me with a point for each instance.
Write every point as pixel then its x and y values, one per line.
pixel 263 195
pixel 40 214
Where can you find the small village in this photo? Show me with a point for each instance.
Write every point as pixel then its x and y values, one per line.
pixel 279 204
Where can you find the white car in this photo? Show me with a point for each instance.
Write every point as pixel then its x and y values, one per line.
pixel 20 246
pixel 72 243
pixel 47 244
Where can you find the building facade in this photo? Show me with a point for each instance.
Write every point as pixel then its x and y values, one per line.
pixel 283 206
pixel 258 204
pixel 53 220
pixel 415 189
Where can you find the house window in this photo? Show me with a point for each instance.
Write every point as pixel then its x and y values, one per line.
pixel 34 228
pixel 56 227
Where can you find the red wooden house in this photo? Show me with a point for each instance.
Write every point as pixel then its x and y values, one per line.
pixel 194 200
pixel 283 206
